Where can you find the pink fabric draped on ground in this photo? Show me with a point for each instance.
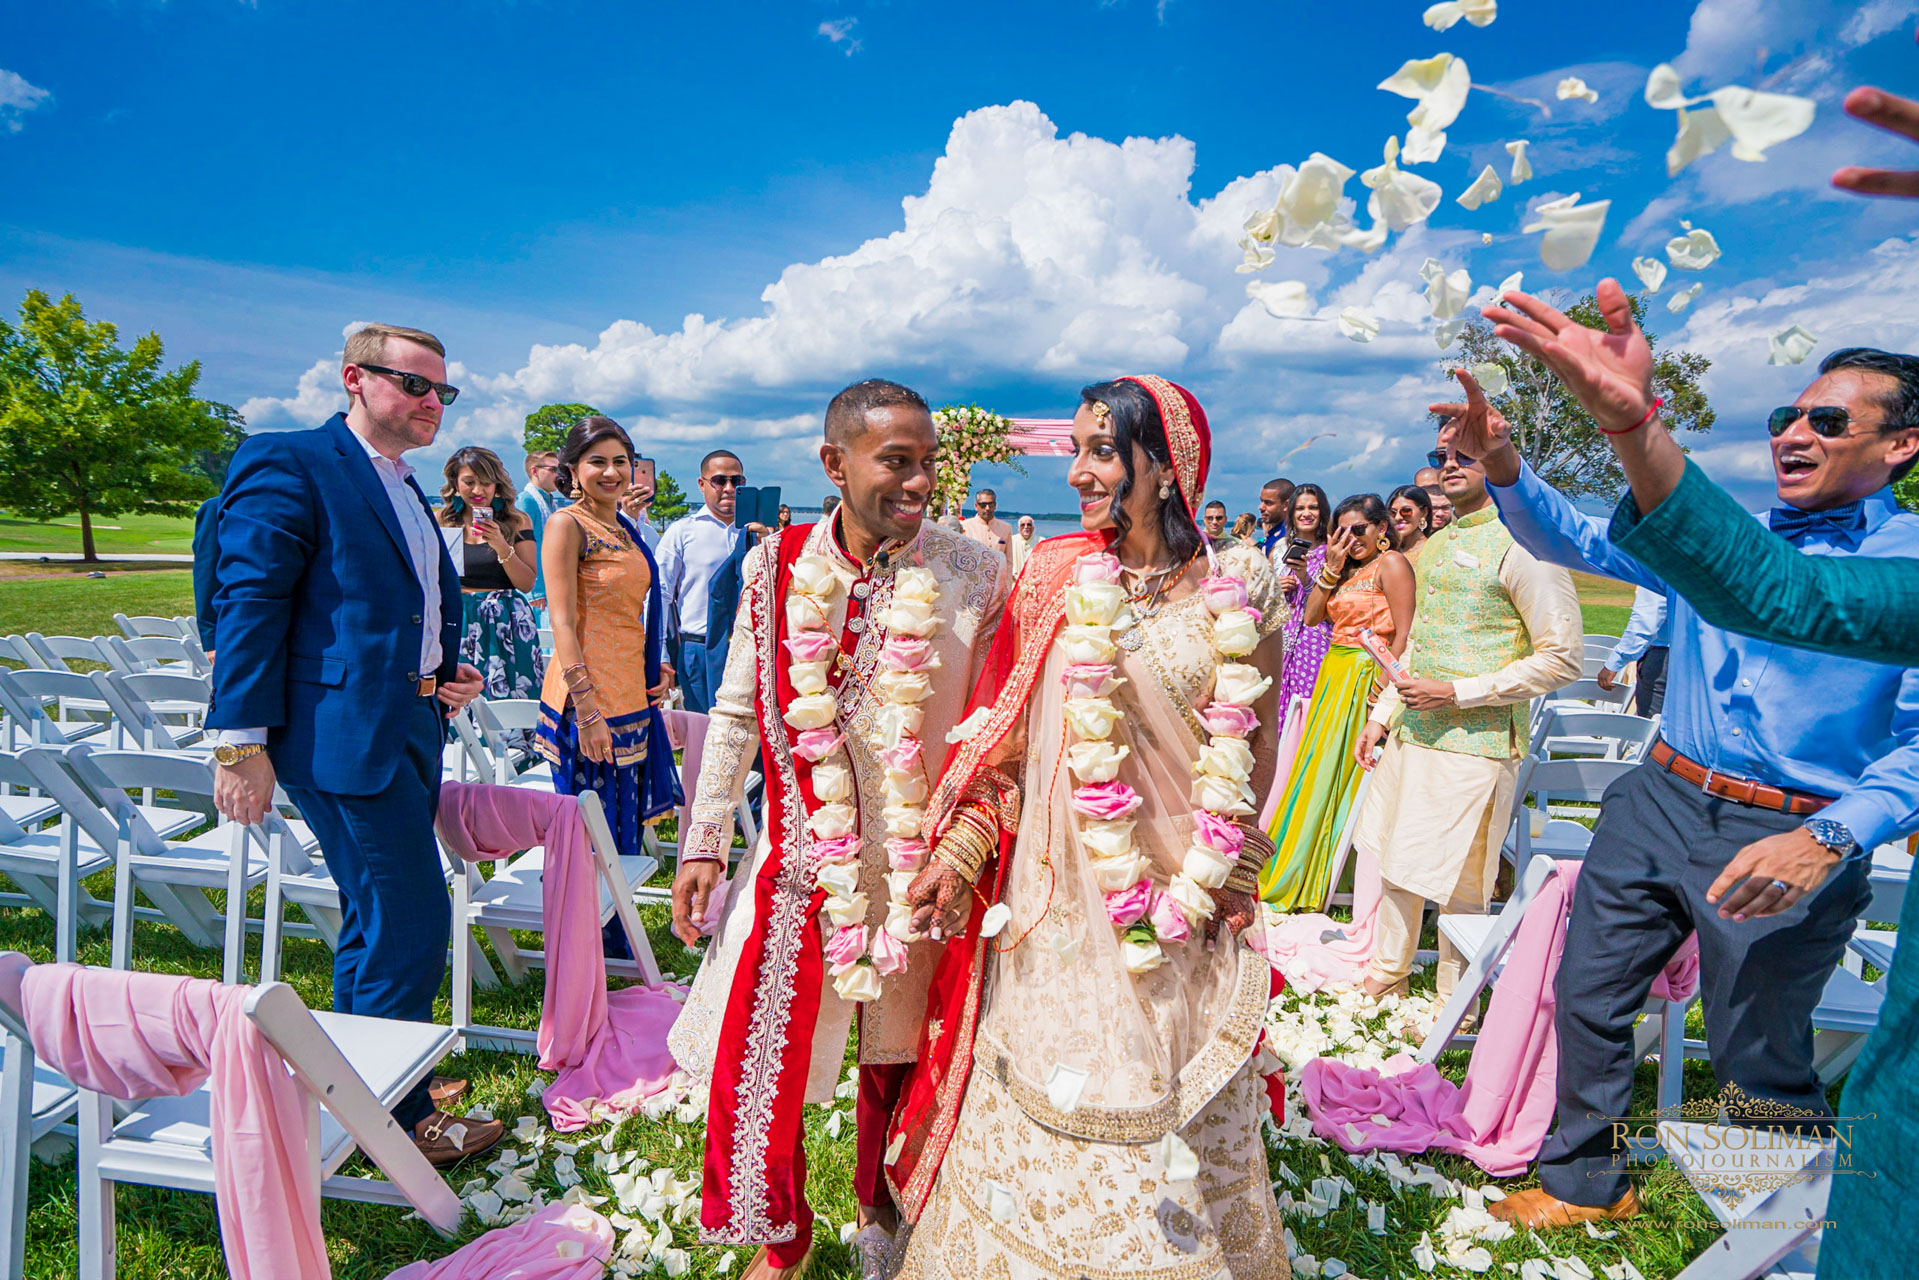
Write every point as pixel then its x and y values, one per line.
pixel 149 1035
pixel 1499 1117
pixel 609 1049
pixel 1315 951
pixel 561 1242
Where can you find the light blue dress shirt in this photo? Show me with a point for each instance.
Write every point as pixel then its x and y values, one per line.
pixel 538 504
pixel 1645 628
pixel 1789 717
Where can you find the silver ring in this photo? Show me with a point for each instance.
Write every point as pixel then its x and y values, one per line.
pixel 1782 886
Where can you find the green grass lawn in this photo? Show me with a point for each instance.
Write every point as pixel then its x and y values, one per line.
pixel 72 604
pixel 127 534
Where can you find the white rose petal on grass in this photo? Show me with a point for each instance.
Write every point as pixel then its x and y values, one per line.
pixel 1441 17
pixel 726 1263
pixel 1181 1164
pixel 1651 273
pixel 1790 345
pixel 1573 87
pixel 1358 325
pixel 1281 298
pixel 1522 167
pixel 1486 187
pixel 1572 229
pixel 994 920
pixel 833 1122
pixel 1492 378
pixel 1683 299
pixel 1064 1086
pixel 1423 1256
pixel 1694 251
pixel 1446 293
pixel 1439 85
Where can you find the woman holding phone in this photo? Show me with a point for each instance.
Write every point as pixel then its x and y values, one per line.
pixel 492 544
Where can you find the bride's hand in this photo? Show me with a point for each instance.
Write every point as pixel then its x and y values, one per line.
pixel 1235 908
pixel 932 896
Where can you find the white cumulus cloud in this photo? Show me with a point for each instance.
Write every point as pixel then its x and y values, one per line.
pixel 17 97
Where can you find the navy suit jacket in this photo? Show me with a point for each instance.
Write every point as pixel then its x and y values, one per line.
pixel 319 612
pixel 723 603
pixel 206 556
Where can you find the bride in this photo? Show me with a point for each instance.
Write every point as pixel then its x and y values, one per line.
pixel 1086 1102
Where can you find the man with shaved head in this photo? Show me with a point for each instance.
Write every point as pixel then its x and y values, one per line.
pixel 846 779
pixel 1427 478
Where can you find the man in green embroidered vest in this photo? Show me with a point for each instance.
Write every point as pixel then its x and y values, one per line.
pixel 1495 629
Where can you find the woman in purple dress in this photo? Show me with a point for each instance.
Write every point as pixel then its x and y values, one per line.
pixel 1305 646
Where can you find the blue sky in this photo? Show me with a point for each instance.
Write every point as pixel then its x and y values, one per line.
pixel 705 219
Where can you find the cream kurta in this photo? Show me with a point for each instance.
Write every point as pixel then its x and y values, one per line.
pixel 1034 1186
pixel 972 584
pixel 1425 808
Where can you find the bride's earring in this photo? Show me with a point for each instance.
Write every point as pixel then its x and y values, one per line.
pixel 1165 491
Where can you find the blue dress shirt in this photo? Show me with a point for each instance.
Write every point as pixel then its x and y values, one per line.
pixel 1645 629
pixel 1789 717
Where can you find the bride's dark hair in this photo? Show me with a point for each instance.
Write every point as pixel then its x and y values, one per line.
pixel 1134 415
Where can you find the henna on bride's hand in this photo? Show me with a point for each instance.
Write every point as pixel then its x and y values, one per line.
pixel 1233 907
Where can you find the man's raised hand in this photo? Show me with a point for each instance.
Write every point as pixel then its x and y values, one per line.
pixel 1895 115
pixel 1610 371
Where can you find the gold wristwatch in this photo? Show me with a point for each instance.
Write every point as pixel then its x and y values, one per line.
pixel 229 755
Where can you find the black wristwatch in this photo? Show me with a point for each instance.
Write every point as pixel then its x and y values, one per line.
pixel 1836 836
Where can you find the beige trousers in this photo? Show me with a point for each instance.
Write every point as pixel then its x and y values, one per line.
pixel 1396 933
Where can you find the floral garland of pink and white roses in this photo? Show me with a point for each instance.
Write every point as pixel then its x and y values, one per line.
pixel 859 957
pixel 1145 914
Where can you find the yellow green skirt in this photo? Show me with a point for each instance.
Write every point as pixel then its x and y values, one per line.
pixel 1319 790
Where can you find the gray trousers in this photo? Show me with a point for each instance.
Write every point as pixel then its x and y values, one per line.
pixel 1659 844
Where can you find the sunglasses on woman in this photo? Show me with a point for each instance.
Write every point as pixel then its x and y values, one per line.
pixel 415 385
pixel 1828 421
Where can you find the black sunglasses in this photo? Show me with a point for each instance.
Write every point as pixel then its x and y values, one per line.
pixel 415 385
pixel 723 481
pixel 1437 459
pixel 1828 421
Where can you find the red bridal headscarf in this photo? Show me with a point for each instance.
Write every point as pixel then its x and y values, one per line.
pixel 1188 438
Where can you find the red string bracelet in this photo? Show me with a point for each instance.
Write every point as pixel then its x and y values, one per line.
pixel 1650 414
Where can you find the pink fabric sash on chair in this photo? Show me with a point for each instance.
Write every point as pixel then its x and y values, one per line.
pixel 608 1048
pixel 1315 951
pixel 1499 1117
pixel 149 1035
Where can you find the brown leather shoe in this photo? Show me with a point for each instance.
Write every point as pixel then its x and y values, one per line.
pixel 445 1091
pixel 445 1139
pixel 1537 1207
pixel 762 1268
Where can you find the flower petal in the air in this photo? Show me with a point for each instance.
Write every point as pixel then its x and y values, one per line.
pixel 1447 332
pixel 1694 251
pixel 1573 87
pixel 1258 257
pixel 1522 167
pixel 1683 299
pixel 1281 298
pixel 1509 284
pixel 1701 132
pixel 1651 273
pixel 1486 186
pixel 1572 229
pixel 1423 146
pixel 1439 84
pixel 1791 345
pixel 1492 378
pixel 1358 325
pixel 1663 89
pixel 1446 294
pixel 1309 199
pixel 1480 13
pixel 1399 199
pixel 1759 120
pixel 1366 241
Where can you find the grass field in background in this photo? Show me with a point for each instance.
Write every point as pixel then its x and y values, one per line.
pixel 112 535
pixel 72 604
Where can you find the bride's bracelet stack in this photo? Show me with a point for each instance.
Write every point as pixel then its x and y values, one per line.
pixel 1253 855
pixel 969 844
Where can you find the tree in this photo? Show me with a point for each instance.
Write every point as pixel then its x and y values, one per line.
pixel 1907 491
pixel 1551 430
pixel 212 463
pixel 90 429
pixel 546 426
pixel 669 500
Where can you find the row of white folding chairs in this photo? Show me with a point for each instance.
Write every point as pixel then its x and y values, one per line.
pixel 36 651
pixel 155 710
pixel 139 626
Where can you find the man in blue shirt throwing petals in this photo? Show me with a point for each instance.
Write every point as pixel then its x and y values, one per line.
pixel 1776 772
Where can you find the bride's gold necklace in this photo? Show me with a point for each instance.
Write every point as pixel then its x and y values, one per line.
pixel 1144 599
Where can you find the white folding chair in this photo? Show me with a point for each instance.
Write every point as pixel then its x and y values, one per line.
pixel 684 728
pixel 353 1070
pixel 174 874
pixel 1774 1232
pixel 159 653
pixel 1487 939
pixel 33 1099
pixel 48 865
pixel 1585 695
pixel 1575 788
pixel 56 652
pixel 157 710
pixel 1891 873
pixel 1605 735
pixel 506 726
pixel 1596 643
pixel 512 900
pixel 48 708
pixel 138 627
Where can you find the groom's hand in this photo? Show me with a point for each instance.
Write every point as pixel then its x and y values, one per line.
pixel 693 885
pixel 932 896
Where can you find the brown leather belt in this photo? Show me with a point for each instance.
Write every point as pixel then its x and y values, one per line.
pixel 1739 790
pixel 428 686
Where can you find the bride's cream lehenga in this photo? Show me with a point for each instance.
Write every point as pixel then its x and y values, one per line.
pixel 1038 1185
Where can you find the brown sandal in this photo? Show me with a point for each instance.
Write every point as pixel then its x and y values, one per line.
pixel 445 1139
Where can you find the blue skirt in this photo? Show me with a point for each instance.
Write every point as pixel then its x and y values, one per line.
pixel 635 795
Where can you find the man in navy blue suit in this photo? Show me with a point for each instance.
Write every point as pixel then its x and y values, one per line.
pixel 339 620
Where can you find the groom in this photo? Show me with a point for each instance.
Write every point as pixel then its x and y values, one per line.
pixel 854 651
